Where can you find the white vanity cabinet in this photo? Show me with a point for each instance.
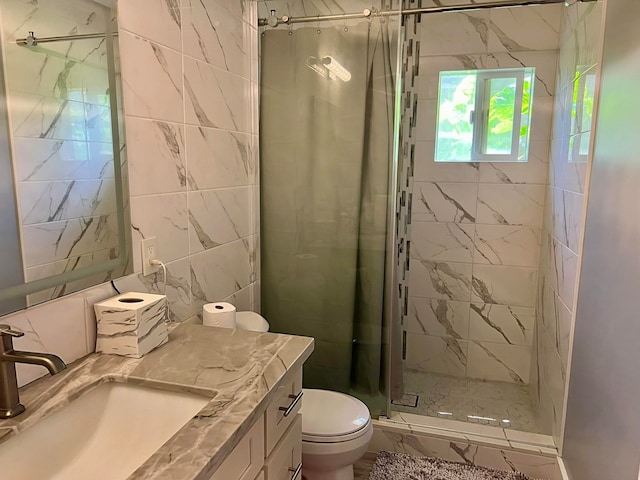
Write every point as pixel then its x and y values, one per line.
pixel 272 449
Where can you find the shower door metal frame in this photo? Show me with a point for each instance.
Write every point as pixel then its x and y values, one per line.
pixel 372 12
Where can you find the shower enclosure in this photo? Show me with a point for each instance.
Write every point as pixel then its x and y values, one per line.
pixel 327 129
pixel 405 158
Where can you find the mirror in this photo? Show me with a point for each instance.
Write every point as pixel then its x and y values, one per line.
pixel 64 220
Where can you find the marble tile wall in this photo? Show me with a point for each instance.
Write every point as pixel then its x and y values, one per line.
pixel 190 89
pixel 476 227
pixel 563 226
pixel 60 123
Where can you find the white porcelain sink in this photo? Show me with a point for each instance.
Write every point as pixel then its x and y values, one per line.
pixel 106 433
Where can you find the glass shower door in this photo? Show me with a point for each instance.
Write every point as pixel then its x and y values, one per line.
pixel 326 148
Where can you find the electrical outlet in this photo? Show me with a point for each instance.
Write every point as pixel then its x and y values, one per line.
pixel 149 252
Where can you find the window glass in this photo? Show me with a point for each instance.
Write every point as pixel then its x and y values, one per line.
pixel 484 115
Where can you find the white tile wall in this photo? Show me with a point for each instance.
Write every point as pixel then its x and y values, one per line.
pixel 563 224
pixel 476 227
pixel 191 126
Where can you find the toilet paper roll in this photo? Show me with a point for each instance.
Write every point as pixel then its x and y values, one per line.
pixel 220 314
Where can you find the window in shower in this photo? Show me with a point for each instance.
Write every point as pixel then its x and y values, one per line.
pixel 484 115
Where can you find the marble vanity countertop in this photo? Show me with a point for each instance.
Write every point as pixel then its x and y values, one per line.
pixel 239 370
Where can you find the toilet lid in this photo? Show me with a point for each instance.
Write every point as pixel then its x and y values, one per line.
pixel 328 414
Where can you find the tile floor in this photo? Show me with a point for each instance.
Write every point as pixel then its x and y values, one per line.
pixel 466 396
pixel 362 467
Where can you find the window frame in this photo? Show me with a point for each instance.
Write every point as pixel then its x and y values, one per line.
pixel 479 117
pixel 481 128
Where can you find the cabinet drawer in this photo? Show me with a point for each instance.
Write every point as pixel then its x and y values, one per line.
pixel 286 459
pixel 246 460
pixel 277 418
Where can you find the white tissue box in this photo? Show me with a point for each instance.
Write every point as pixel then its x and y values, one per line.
pixel 131 324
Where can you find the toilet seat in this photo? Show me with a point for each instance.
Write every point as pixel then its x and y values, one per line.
pixel 333 417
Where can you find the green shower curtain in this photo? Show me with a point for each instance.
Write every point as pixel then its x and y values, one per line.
pixel 325 147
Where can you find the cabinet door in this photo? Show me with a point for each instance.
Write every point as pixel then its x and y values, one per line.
pixel 246 460
pixel 285 463
pixel 282 410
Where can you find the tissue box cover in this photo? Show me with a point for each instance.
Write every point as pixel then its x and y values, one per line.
pixel 131 324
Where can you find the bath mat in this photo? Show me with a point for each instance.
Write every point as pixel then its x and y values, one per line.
pixel 400 466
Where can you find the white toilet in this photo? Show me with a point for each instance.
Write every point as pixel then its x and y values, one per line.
pixel 336 428
pixel 336 431
pixel 251 321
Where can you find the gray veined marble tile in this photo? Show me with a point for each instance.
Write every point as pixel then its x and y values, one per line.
pixel 158 75
pixel 427 170
pixel 501 324
pixel 454 33
pixel 58 240
pixel 43 202
pixel 566 265
pixel 440 318
pixel 67 334
pixel 214 36
pixel 95 85
pixel 440 280
pixel 447 242
pixel 215 98
pixel 242 299
pixel 41 159
pixel 157 156
pixel 566 210
pixel 46 117
pixel 504 285
pixel 157 20
pixel 165 217
pixel 507 245
pixel 219 159
pixel 510 204
pixel 444 202
pixel 545 64
pixel 217 217
pixel 437 354
pixel 516 29
pixel 98 123
pixel 431 66
pixel 499 361
pixel 42 73
pixel 533 171
pixel 581 30
pixel 72 263
pixel 178 289
pixel 222 271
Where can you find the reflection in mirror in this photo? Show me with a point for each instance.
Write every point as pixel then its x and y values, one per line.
pixel 582 114
pixel 63 221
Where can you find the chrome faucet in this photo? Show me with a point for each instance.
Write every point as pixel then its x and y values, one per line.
pixel 10 405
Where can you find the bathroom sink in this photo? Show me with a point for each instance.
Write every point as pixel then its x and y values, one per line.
pixel 107 433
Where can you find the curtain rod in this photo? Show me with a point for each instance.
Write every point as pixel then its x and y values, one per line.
pixel 274 21
pixel 32 40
